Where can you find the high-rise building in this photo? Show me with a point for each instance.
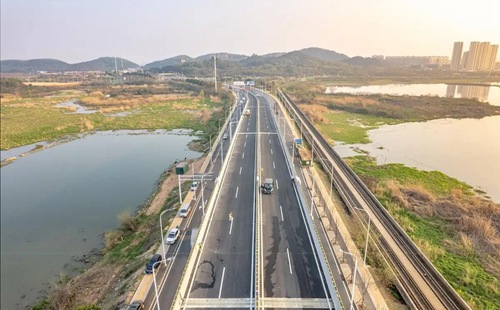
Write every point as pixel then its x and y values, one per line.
pixel 480 57
pixel 473 56
pixel 457 55
pixel 492 57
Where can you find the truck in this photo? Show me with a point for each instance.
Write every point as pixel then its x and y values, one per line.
pixel 247 112
pixel 304 155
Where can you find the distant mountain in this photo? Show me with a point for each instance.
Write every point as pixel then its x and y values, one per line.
pixel 222 56
pixel 323 54
pixel 104 64
pixel 169 62
pixel 33 65
pixel 54 65
pixel 273 54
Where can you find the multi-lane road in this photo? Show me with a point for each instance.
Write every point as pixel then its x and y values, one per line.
pixel 258 250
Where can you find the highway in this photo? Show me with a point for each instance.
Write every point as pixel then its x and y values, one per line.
pixel 169 276
pixel 256 250
pixel 290 270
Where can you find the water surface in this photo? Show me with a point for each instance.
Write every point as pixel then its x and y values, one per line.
pixel 466 149
pixel 56 203
pixel 489 94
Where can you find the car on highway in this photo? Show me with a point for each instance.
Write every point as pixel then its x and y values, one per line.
pixel 268 186
pixel 224 136
pixel 194 186
pixel 152 262
pixel 173 235
pixel 136 305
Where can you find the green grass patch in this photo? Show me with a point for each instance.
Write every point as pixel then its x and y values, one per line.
pixel 26 121
pixel 434 181
pixel 436 237
pixel 351 127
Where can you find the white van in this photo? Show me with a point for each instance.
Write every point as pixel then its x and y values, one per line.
pixel 184 210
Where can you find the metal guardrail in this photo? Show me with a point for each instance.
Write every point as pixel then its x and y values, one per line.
pixel 439 285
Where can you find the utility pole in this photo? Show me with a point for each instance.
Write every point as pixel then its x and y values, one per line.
pixel 215 71
pixel 116 70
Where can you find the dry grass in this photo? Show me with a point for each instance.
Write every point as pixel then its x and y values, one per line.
pixel 53 84
pixel 315 112
pixel 87 288
pixel 475 218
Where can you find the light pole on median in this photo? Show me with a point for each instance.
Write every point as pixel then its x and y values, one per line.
pixel 367 233
pixel 161 233
pixel 353 276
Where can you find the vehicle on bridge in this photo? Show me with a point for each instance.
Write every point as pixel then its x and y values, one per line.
pixel 173 235
pixel 185 210
pixel 268 186
pixel 136 305
pixel 305 157
pixel 247 112
pixel 149 267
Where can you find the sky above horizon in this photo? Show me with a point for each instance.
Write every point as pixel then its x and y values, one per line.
pixel 143 31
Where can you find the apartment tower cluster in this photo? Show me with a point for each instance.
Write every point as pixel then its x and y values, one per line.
pixel 481 56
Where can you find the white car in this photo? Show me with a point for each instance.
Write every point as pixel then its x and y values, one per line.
pixel 224 136
pixel 194 186
pixel 173 235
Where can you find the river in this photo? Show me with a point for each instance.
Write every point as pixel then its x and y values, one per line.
pixel 57 203
pixel 489 94
pixel 466 149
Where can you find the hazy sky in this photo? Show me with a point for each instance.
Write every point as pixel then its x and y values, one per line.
pixel 147 30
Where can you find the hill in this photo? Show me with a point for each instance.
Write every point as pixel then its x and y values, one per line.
pixel 222 56
pixel 54 65
pixel 33 65
pixel 169 62
pixel 323 54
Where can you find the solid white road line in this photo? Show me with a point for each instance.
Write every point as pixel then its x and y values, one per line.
pixel 289 263
pixel 222 281
pixel 240 170
pixel 237 188
pixel 281 211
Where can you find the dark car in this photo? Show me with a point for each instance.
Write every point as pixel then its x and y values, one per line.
pixel 268 186
pixel 136 305
pixel 149 267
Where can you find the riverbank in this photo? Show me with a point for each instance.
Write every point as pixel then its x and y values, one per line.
pixel 29 114
pixel 119 268
pixel 457 230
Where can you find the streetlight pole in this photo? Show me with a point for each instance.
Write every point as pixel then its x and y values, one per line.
pixel 353 276
pixel 180 190
pixel 211 153
pixel 367 234
pixel 154 280
pixel 222 151
pixel 161 233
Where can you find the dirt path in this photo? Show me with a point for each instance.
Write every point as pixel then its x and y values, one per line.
pixel 167 186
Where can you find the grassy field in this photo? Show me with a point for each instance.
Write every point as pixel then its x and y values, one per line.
pixel 344 126
pixel 456 230
pixel 29 120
